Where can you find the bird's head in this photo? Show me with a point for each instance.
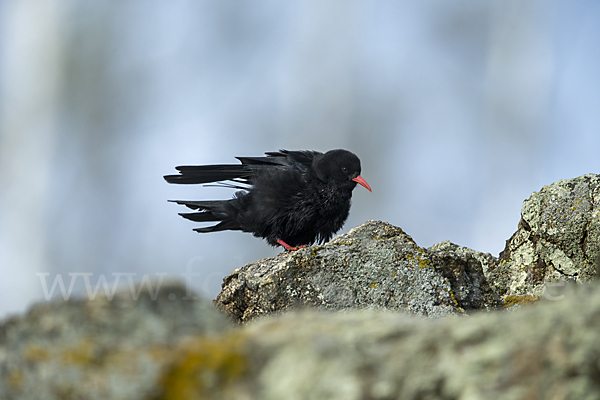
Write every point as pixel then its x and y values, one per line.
pixel 341 167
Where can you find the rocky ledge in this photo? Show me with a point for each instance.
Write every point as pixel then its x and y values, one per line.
pixel 374 266
pixel 381 346
pixel 378 266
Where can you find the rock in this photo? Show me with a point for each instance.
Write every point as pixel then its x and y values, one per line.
pixel 167 345
pixel 557 241
pixel 485 259
pixel 546 351
pixel 99 349
pixel 166 350
pixel 374 266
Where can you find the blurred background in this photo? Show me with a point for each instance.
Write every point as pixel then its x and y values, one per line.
pixel 458 110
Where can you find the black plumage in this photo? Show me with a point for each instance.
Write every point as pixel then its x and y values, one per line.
pixel 291 198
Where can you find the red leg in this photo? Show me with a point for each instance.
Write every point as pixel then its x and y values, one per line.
pixel 288 247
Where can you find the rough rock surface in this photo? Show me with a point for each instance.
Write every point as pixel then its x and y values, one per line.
pixel 485 259
pixel 170 350
pixel 169 347
pixel 378 266
pixel 99 349
pixel 546 351
pixel 375 265
pixel 557 241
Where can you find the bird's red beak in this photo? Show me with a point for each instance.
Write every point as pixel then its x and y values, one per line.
pixel 362 182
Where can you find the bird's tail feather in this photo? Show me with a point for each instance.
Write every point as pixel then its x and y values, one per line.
pixel 204 216
pixel 199 205
pixel 210 211
pixel 192 174
pixel 221 226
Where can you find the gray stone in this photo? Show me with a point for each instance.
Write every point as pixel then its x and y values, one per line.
pixel 557 241
pixel 374 266
pixel 485 259
pixel 182 350
pixel 545 351
pixel 100 349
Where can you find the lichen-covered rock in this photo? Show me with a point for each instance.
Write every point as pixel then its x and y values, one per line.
pixel 100 349
pixel 485 259
pixel 374 266
pixel 166 349
pixel 152 351
pixel 547 351
pixel 557 241
pixel 168 346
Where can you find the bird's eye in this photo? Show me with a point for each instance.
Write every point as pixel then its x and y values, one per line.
pixel 344 169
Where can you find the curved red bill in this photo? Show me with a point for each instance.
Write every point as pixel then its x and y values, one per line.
pixel 362 182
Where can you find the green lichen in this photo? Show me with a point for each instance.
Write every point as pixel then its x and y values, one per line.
pixel 36 353
pixel 82 353
pixel 388 232
pixel 206 368
pixel 422 262
pixel 314 250
pixel 512 300
pixel 15 379
pixel 451 293
pixel 347 243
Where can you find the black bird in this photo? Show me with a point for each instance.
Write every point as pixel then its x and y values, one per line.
pixel 291 198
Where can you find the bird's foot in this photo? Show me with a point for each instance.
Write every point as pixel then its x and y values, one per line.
pixel 288 247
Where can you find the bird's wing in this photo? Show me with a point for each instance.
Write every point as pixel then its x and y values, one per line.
pixel 302 157
pixel 282 158
pixel 243 173
pixel 300 161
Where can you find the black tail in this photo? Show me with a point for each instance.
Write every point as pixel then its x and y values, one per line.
pixel 210 211
pixel 190 174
